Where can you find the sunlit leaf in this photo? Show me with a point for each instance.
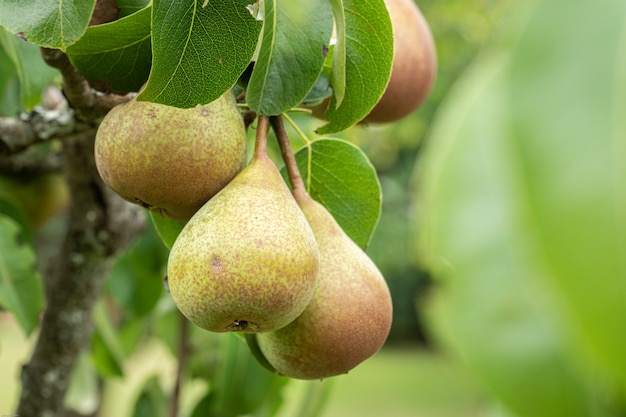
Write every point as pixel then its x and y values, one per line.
pixel 339 176
pixel 368 51
pixel 295 42
pixel 48 23
pixel 199 50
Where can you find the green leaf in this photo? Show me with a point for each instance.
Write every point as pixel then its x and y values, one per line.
pixel 242 386
pixel 21 289
pixel 339 57
pixel 106 350
pixel 83 395
pixel 118 52
pixel 33 73
pixel 48 23
pixel 152 401
pixel 10 208
pixel 502 316
pixel 295 42
pixel 136 280
pixel 168 229
pixel 522 211
pixel 255 351
pixel 572 148
pixel 339 176
pixel 128 7
pixel 198 50
pixel 362 61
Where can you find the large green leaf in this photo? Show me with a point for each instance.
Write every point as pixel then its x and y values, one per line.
pixel 572 146
pixel 48 23
pixel 338 175
pixel 33 73
pixel 199 50
pixel 21 290
pixel 499 309
pixel 362 61
pixel 118 52
pixel 522 211
pixel 296 37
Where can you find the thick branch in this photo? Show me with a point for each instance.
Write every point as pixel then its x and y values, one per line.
pixel 39 125
pixel 89 104
pixel 101 225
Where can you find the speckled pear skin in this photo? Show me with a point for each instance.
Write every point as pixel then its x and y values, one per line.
pixel 247 260
pixel 171 160
pixel 349 317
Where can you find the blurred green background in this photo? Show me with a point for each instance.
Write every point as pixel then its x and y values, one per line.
pixel 525 200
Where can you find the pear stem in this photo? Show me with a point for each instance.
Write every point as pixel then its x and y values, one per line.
pixel 260 146
pixel 295 178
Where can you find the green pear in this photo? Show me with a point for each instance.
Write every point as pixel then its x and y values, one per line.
pixel 171 160
pixel 349 317
pixel 247 260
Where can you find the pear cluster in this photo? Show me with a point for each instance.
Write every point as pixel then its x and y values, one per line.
pixel 253 256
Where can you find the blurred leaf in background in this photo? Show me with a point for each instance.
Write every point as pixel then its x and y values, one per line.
pixel 521 211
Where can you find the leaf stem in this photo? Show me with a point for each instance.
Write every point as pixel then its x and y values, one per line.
pixel 299 131
pixel 295 178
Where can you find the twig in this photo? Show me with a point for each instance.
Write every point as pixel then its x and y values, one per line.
pixel 17 134
pixel 90 105
pixel 183 350
pixel 295 178
pixel 260 145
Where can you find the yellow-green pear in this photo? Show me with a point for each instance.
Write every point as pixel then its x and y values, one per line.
pixel 349 317
pixel 247 260
pixel 171 160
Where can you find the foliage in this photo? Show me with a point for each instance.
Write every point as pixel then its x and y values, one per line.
pixel 521 215
pixel 181 55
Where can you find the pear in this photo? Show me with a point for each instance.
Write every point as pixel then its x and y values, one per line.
pixel 247 260
pixel 414 64
pixel 349 317
pixel 171 160
pixel 413 69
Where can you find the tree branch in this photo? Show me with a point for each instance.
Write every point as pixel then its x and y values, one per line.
pixel 17 134
pixel 90 105
pixel 101 225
